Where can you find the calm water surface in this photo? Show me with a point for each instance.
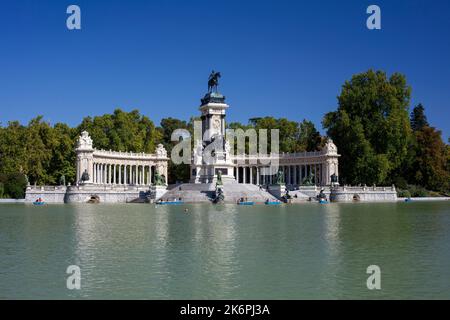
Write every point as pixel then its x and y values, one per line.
pixel 220 252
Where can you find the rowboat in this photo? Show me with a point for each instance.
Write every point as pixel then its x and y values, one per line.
pixel 170 202
pixel 246 203
pixel 272 203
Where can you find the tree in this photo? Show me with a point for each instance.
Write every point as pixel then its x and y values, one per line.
pixel 418 118
pixel 63 154
pixel 15 185
pixel 309 138
pixel 371 127
pixel 176 172
pixel 431 157
pixel 121 131
pixel 429 166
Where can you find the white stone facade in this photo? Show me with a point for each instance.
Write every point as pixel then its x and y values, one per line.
pixel 320 165
pixel 118 168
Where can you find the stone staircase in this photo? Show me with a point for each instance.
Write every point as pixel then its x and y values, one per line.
pixel 301 197
pixel 234 191
pixel 191 193
pixel 204 193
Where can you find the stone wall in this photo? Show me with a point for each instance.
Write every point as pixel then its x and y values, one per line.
pixel 364 194
pixel 48 193
pixel 82 194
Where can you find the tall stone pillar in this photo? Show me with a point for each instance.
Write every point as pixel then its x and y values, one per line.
pixel 85 159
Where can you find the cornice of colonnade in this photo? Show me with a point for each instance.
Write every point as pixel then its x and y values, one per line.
pixel 286 158
pixel 108 156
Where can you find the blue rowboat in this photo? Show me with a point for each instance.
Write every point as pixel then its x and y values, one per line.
pixel 272 203
pixel 39 203
pixel 246 203
pixel 170 202
pixel 321 201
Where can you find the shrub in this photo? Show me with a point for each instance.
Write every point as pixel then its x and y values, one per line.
pixel 403 194
pixel 15 185
pixel 417 191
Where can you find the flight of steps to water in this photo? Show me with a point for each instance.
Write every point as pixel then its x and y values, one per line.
pixel 189 193
pixel 234 191
pixel 301 196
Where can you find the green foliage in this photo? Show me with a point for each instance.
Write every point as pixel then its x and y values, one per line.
pixel 417 191
pixel 403 193
pixel 418 118
pixel 293 136
pixel 176 172
pixel 122 131
pixel 371 127
pixel 429 167
pixel 13 185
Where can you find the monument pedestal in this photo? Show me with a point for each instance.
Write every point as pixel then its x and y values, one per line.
pixel 277 190
pixel 212 153
pixel 157 192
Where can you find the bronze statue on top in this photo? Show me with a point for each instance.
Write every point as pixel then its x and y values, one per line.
pixel 213 81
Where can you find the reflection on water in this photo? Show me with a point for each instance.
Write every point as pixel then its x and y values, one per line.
pixel 225 251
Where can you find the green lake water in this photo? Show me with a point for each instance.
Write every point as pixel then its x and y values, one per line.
pixel 226 252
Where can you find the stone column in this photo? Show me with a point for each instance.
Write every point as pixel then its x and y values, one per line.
pixel 295 175
pixel 237 174
pixel 151 173
pixel 130 174
pixel 138 175
pixel 245 174
pixel 257 175
pixel 250 169
pixel 315 174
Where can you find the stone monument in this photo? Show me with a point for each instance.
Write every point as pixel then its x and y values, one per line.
pixel 212 154
pixel 85 158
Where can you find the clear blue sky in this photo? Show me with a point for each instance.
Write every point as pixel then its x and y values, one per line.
pixel 279 58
